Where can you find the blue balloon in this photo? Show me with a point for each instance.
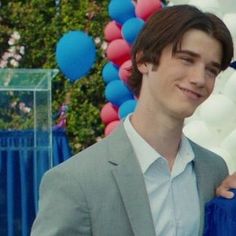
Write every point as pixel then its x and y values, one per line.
pixel 122 10
pixel 131 29
pixel 127 108
pixel 75 54
pixel 117 92
pixel 110 72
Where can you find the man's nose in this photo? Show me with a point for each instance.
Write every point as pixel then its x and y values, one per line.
pixel 198 76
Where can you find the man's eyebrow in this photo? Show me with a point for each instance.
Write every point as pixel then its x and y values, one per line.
pixel 190 53
pixel 193 54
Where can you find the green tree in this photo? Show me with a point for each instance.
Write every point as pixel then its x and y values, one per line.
pixel 41 24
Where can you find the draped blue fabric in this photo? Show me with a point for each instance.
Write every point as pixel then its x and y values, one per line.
pixel 220 217
pixel 20 175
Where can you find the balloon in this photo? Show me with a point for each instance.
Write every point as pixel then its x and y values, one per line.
pixel 217 109
pixel 230 88
pixel 177 2
pixel 131 29
pixel 199 132
pixel 110 72
pixel 212 6
pixel 109 113
pixel 118 51
pixel 121 10
pixel 111 127
pixel 75 54
pixel 112 31
pixel 229 143
pixel 222 79
pixel 230 161
pixel 227 6
pixel 144 9
pixel 230 21
pixel 127 108
pixel 125 70
pixel 117 92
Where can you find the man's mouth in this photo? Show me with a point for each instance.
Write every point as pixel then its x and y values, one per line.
pixel 190 93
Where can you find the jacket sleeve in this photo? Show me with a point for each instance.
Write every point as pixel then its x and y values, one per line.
pixel 63 208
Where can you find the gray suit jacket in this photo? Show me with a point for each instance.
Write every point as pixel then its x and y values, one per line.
pixel 101 191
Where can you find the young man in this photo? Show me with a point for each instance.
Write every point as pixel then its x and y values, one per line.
pixel 147 178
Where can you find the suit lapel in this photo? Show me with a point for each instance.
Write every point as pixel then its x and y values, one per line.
pixel 201 191
pixel 130 181
pixel 201 169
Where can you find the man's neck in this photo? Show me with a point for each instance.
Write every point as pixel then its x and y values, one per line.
pixel 162 133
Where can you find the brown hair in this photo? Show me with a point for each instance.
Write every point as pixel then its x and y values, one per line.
pixel 168 27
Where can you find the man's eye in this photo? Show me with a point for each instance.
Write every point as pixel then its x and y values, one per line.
pixel 212 72
pixel 187 59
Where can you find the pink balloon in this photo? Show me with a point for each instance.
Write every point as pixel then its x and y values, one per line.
pixel 111 127
pixel 112 31
pixel 109 113
pixel 125 70
pixel 144 9
pixel 118 51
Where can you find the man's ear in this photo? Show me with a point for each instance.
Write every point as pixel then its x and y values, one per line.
pixel 143 68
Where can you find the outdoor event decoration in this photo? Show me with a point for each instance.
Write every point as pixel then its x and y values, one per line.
pixel 109 113
pixel 112 31
pixel 131 29
pixel 75 54
pixel 117 92
pixel 121 10
pixel 210 6
pixel 118 51
pixel 127 19
pixel 144 9
pixel 126 108
pixel 111 126
pixel 125 70
pixel 110 72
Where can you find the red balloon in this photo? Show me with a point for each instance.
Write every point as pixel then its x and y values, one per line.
pixel 109 113
pixel 118 51
pixel 144 9
pixel 112 31
pixel 111 127
pixel 125 70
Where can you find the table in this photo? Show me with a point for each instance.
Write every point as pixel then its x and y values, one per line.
pixel 20 175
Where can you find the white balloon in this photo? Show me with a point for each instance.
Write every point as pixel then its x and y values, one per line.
pixel 212 6
pixel 227 5
pixel 217 110
pixel 230 21
pixel 177 2
pixel 198 131
pixel 230 161
pixel 222 79
pixel 230 88
pixel 234 42
pixel 229 143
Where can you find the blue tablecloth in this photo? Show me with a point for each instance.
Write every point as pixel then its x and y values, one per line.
pixel 220 217
pixel 20 175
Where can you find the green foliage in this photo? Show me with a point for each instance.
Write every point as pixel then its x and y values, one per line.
pixel 41 24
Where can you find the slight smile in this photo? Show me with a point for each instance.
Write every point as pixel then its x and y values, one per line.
pixel 190 93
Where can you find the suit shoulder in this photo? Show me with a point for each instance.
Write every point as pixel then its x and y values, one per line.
pixel 92 157
pixel 206 155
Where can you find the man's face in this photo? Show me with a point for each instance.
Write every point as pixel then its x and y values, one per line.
pixel 183 80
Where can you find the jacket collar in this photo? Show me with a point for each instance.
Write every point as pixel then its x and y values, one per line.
pixel 130 181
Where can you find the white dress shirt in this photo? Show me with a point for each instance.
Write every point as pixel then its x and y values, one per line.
pixel 173 195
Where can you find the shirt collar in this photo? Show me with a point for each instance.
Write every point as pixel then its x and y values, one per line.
pixel 146 154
